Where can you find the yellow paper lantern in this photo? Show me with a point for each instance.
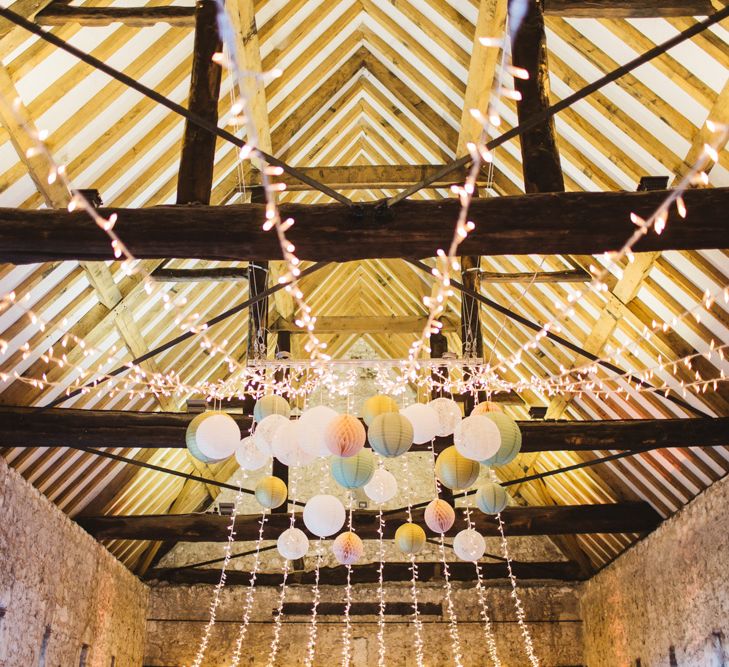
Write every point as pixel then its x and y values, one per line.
pixel 377 405
pixel 345 436
pixel 271 492
pixel 347 548
pixel 439 516
pixel 410 538
pixel 455 471
pixel 271 405
pixel 390 434
pixel 486 407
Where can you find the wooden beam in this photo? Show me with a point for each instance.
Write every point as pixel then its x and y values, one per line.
pixel 326 324
pixel 225 274
pixel 66 427
pixel 550 223
pixel 566 276
pixel 623 9
pixel 59 13
pixel 546 520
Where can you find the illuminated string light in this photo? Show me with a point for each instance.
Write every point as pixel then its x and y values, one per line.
pixel 381 647
pixel 316 595
pixel 347 630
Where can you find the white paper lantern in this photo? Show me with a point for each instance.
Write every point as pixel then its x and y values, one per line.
pixel 382 487
pixel 424 420
pixel 314 423
pixel 213 435
pixel 271 405
pixel 293 544
pixel 263 435
pixel 249 457
pixel 477 438
pixel 347 548
pixel 324 515
pixel 469 545
pixel 449 415
pixel 288 447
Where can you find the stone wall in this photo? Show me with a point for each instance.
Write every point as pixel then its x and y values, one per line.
pixel 178 614
pixel 60 590
pixel 666 600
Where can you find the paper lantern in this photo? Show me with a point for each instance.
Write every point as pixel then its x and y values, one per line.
pixel 455 471
pixel 347 548
pixel 324 515
pixel 249 457
pixel 355 471
pixel 410 538
pixel 377 405
pixel 382 487
pixel 345 436
pixel 469 545
pixel 271 492
pixel 390 434
pixel 486 407
pixel 477 438
pixel 424 420
pixel 191 437
pixel 492 498
pixel 271 405
pixel 314 422
pixel 448 414
pixel 287 445
pixel 212 436
pixel 292 544
pixel 263 435
pixel 439 516
pixel 510 439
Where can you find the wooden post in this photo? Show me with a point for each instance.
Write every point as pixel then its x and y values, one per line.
pixel 471 338
pixel 438 349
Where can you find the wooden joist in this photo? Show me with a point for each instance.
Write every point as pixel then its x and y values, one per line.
pixel 326 324
pixel 66 427
pixel 549 223
pixel 545 520
pixel 224 274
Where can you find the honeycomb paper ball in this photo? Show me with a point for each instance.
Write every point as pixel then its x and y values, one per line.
pixel 492 498
pixel 271 492
pixel 271 405
pixel 448 413
pixel 410 538
pixel 382 487
pixel 345 436
pixel 510 439
pixel 287 445
pixel 292 544
pixel 469 545
pixel 377 405
pixel 424 420
pixel 212 436
pixel 249 457
pixel 347 548
pixel 390 434
pixel 439 516
pixel 324 515
pixel 354 471
pixel 455 471
pixel 477 437
pixel 266 430
pixel 314 422
pixel 486 407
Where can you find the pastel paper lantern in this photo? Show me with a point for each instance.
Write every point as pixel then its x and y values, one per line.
pixel 377 405
pixel 424 420
pixel 439 516
pixel 469 545
pixel 354 471
pixel 345 436
pixel 249 457
pixel 271 492
pixel 477 437
pixel 271 405
pixel 324 515
pixel 212 436
pixel 266 430
pixel 486 407
pixel 492 498
pixel 382 487
pixel 410 538
pixel 292 544
pixel 510 439
pixel 287 445
pixel 448 413
pixel 455 471
pixel 314 422
pixel 391 434
pixel 347 548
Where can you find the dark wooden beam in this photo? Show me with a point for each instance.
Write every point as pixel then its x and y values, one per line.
pixel 623 9
pixel 224 274
pixel 67 427
pixel 566 276
pixel 60 13
pixel 550 223
pixel 195 176
pixel 544 520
